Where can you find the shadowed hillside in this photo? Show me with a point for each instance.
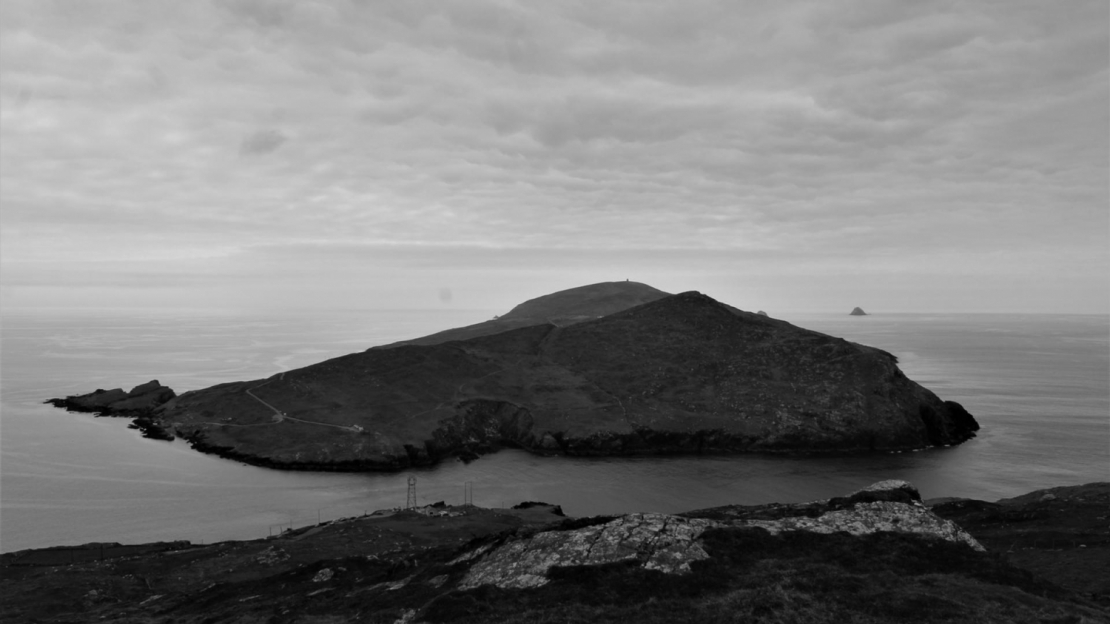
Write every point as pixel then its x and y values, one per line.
pixel 679 374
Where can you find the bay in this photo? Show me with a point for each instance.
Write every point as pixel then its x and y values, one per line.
pixel 1038 384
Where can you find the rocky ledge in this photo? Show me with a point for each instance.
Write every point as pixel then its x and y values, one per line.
pixel 877 555
pixel 671 543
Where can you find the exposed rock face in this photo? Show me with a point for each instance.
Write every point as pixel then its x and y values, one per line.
pixel 679 374
pixel 140 401
pixel 660 541
pixel 669 543
pixel 866 518
pixel 857 312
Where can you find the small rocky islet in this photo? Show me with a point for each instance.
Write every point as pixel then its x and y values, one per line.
pixel 880 554
pixel 617 368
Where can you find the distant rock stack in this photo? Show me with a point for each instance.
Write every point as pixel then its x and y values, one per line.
pixel 858 312
pixel 762 313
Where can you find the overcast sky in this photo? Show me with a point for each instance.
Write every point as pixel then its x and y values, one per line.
pixel 802 156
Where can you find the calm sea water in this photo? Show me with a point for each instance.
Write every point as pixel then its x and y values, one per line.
pixel 1038 384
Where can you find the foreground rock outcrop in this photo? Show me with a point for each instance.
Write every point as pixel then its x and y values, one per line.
pixel 874 556
pixel 670 543
pixel 655 541
pixel 679 374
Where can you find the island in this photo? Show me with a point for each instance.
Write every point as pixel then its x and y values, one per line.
pixel 876 555
pixel 617 368
pixel 857 312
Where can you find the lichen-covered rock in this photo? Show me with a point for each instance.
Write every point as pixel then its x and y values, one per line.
pixel 893 491
pixel 891 485
pixel 671 543
pixel 878 517
pixel 660 541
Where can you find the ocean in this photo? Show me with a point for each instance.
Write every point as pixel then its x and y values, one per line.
pixel 1039 385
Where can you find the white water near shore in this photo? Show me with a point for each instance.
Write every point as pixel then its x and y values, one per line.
pixel 1038 384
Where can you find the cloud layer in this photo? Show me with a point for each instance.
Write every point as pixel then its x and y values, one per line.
pixel 952 140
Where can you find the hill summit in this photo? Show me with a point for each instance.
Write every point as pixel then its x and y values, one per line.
pixel 565 307
pixel 591 371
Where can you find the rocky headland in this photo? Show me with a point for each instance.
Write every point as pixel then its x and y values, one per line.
pixel 678 374
pixel 139 404
pixel 876 555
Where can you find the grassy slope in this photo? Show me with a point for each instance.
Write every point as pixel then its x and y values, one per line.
pixel 1060 533
pixel 561 308
pixel 680 364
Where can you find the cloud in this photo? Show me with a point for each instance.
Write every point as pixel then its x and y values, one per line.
pixel 261 142
pixel 783 134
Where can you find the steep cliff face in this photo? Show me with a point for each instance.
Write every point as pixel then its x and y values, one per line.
pixel 680 374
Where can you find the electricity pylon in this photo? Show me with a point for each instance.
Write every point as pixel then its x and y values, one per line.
pixel 410 501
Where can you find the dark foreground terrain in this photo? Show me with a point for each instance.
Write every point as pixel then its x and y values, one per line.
pixel 877 555
pixel 1062 534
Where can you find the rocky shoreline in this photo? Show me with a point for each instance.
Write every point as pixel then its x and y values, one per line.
pixel 482 428
pixel 876 555
pixel 139 403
